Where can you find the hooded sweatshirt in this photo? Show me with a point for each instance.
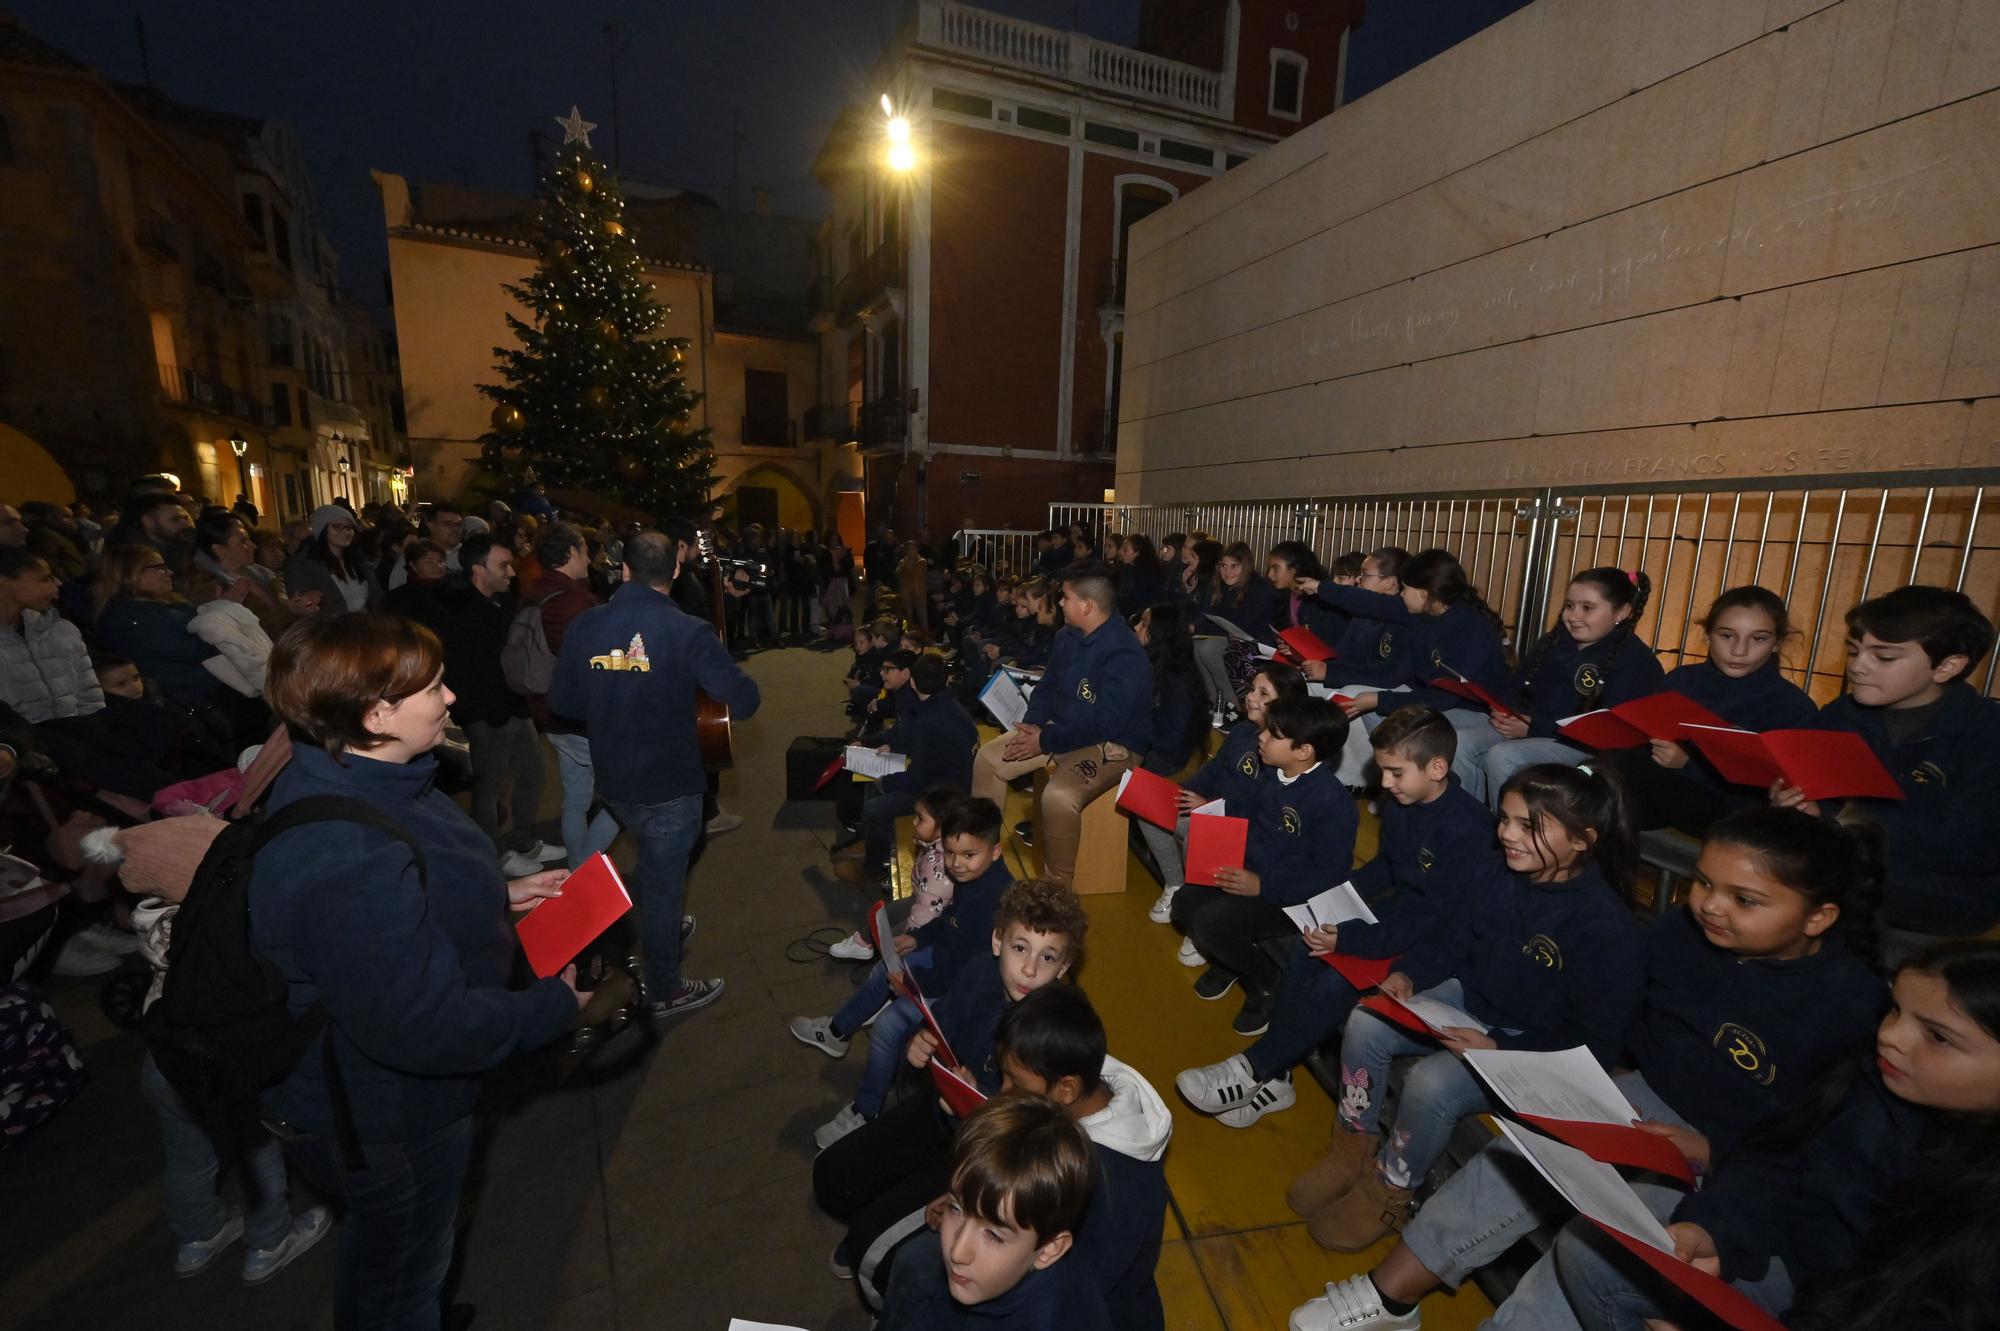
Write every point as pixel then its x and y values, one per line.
pixel 1120 1234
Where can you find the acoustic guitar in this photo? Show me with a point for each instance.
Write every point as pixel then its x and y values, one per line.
pixel 711 715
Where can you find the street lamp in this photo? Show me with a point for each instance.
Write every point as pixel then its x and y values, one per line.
pixel 240 446
pixel 902 155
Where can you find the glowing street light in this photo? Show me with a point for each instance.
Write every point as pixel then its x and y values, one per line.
pixel 902 157
pixel 888 108
pixel 899 129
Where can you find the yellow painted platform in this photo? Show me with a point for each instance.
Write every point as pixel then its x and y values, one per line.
pixel 1235 1259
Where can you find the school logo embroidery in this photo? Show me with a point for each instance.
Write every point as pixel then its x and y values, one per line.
pixel 1385 646
pixel 1084 691
pixel 1437 659
pixel 1543 950
pixel 1289 819
pixel 1746 1051
pixel 1587 681
pixel 1928 774
pixel 1249 765
pixel 1425 860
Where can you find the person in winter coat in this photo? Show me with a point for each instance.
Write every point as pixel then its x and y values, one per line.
pixel 139 617
pixel 328 565
pixel 225 554
pixel 225 623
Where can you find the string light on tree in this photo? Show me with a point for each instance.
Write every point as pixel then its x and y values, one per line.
pixel 593 398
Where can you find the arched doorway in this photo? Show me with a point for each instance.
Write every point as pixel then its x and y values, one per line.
pixel 771 496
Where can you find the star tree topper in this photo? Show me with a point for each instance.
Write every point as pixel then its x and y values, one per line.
pixel 575 128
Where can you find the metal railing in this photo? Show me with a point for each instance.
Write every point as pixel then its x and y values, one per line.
pixel 998 549
pixel 1068 55
pixel 1823 548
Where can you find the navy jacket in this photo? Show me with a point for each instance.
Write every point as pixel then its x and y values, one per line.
pixel 1943 843
pixel 1426 854
pixel 1061 1297
pixel 965 928
pixel 414 978
pixel 154 636
pixel 1120 1235
pixel 1139 589
pixel 969 1015
pixel 1174 733
pixel 1728 1040
pixel 1560 963
pixel 1812 1207
pixel 1235 771
pixel 938 736
pixel 1762 700
pixel 1098 689
pixel 1462 639
pixel 1567 674
pixel 641 722
pixel 474 631
pixel 1328 622
pixel 1301 837
pixel 1253 611
pixel 1375 648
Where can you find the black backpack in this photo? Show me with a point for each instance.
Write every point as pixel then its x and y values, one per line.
pixel 222 1029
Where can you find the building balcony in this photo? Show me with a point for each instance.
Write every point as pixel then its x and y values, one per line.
pixel 190 388
pixel 768 432
pixel 156 232
pixel 884 421
pixel 962 30
pixel 876 279
pixel 838 421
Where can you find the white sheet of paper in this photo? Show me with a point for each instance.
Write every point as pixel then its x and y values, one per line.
pixel 866 762
pixel 1592 1187
pixel 1563 721
pixel 1314 689
pixel 739 1324
pixel 1335 906
pixel 1439 1016
pixel 1229 628
pixel 1003 698
pixel 1220 808
pixel 1268 653
pixel 1563 1083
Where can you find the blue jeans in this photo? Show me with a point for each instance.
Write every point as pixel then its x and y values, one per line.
pixel 667 833
pixel 871 994
pixel 1606 1288
pixel 1500 1198
pixel 887 1039
pixel 1475 736
pixel 583 835
pixel 1313 1002
pixel 1437 1093
pixel 194 1212
pixel 397 1226
pixel 1511 755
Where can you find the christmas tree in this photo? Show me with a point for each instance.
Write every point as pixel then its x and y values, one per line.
pixel 592 399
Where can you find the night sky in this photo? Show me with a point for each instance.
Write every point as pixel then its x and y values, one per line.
pixel 449 90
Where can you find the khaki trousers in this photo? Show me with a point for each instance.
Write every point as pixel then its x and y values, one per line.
pixel 1075 778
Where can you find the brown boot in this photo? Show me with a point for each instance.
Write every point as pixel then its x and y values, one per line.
pixel 1333 1173
pixel 1363 1215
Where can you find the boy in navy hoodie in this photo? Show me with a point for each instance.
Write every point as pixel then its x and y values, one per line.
pixel 1909 654
pixel 1052 1043
pixel 1301 842
pixel 1022 1174
pixel 1434 836
pixel 935 732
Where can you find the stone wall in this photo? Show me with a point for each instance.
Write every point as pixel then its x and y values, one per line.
pixel 1602 243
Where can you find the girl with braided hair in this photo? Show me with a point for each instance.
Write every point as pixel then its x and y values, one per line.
pixel 1586 660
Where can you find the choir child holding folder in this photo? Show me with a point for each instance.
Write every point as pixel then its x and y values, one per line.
pixel 1670 783
pixel 1543 954
pixel 1870 1208
pixel 1231 776
pixel 931 890
pixel 1909 655
pixel 934 731
pixel 1752 993
pixel 1590 658
pixel 1300 840
pixel 1434 837
pixel 873 1178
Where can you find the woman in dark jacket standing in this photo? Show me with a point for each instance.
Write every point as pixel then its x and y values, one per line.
pixel 411 971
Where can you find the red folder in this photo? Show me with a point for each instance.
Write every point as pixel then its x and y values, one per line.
pixel 1215 841
pixel 1465 688
pixel 956 1089
pixel 1153 798
pixel 1618 1144
pixel 560 927
pixel 1384 1006
pixel 1718 1296
pixel 1630 724
pixel 1363 972
pixel 832 771
pixel 1306 644
pixel 1825 764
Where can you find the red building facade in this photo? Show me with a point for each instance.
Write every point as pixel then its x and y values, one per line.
pixel 973 307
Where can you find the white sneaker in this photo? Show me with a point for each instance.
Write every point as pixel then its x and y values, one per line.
pixel 108 937
pixel 517 865
pixel 1269 1097
pixel 191 1259
pixel 308 1228
pixel 722 822
pixel 818 1032
pixel 853 948
pixel 1190 955
pixel 847 1120
pixel 546 853
pixel 81 956
pixel 1218 1086
pixel 1163 908
pixel 1353 1302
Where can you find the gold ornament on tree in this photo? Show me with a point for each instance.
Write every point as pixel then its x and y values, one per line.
pixel 614 228
pixel 632 469
pixel 608 330
pixel 597 397
pixel 584 184
pixel 677 354
pixel 560 252
pixel 507 419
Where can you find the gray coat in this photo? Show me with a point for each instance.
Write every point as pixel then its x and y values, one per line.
pixel 45 669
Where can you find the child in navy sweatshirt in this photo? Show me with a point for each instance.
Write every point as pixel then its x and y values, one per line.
pixel 1869 1208
pixel 1589 659
pixel 1434 837
pixel 1231 776
pixel 1022 1174
pixel 1301 841
pixel 1909 655
pixel 1752 994
pixel 1542 953
pixel 1670 784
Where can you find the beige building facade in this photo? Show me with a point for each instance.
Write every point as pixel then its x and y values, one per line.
pixel 1598 244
